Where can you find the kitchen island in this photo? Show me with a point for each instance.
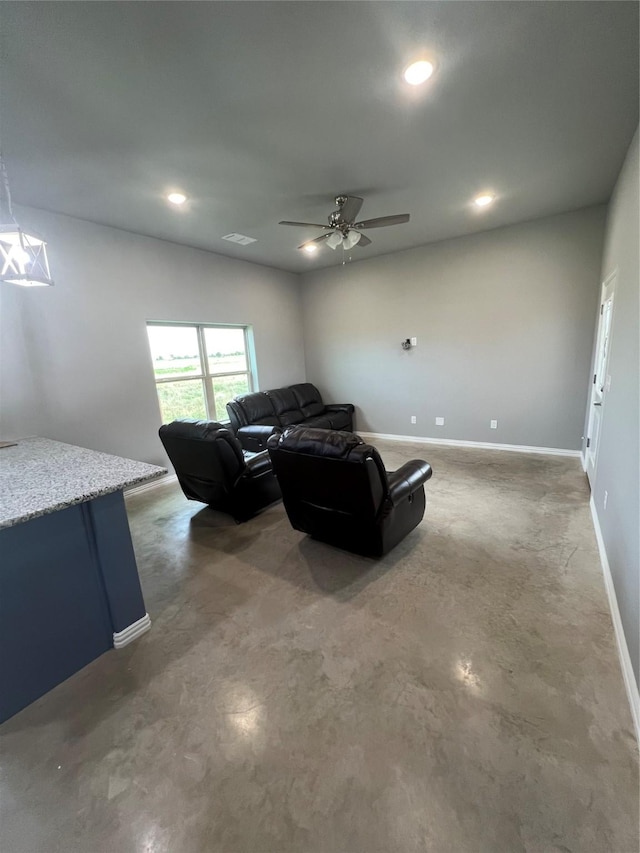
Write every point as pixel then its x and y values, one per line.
pixel 69 585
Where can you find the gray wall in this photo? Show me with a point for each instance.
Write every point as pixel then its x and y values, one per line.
pixel 75 359
pixel 20 394
pixel 504 322
pixel 619 451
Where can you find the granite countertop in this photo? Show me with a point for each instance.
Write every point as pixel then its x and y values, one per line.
pixel 38 476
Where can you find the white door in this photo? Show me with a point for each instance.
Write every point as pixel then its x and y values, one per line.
pixel 601 378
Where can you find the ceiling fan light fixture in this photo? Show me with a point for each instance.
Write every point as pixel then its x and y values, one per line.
pixel 418 72
pixel 351 240
pixel 334 240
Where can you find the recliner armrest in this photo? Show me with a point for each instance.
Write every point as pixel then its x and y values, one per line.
pixel 254 436
pixel 258 464
pixel 340 407
pixel 408 479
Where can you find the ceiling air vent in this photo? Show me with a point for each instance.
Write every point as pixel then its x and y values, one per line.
pixel 240 239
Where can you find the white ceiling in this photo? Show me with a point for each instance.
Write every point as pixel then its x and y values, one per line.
pixel 262 111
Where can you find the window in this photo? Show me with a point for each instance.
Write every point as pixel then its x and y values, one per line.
pixel 199 368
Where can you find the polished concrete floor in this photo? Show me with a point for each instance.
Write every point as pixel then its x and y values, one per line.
pixel 461 695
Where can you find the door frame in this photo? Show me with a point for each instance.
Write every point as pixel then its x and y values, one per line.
pixel 601 381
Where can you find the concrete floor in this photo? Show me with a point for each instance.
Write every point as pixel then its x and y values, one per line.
pixel 462 694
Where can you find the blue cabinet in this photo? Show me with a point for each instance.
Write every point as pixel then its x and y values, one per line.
pixel 68 583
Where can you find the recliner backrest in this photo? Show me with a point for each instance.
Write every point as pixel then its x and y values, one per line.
pixel 203 453
pixel 257 408
pixel 309 399
pixel 331 470
pixel 285 406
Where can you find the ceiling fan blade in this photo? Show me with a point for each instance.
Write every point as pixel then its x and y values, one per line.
pixel 363 241
pixel 351 208
pixel 306 224
pixel 381 221
pixel 319 239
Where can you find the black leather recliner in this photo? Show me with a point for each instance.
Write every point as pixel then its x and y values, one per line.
pixel 335 488
pixel 211 468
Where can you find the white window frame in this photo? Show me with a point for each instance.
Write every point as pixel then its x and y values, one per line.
pixel 206 376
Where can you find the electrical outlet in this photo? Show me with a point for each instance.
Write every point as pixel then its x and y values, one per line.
pixel 413 419
pixel 414 342
pixel 606 498
pixel 493 424
pixel 439 421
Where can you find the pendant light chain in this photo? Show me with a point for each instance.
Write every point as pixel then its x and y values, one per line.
pixel 6 210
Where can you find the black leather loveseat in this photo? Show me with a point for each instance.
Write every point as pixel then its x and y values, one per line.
pixel 255 417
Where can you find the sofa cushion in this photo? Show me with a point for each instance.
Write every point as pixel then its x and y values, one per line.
pixel 285 406
pixel 319 422
pixel 309 399
pixel 258 409
pixel 338 419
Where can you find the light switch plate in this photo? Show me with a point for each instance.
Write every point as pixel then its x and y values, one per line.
pixel 439 421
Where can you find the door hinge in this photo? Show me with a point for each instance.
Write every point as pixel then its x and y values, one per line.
pixel 602 309
pixel 594 378
pixel 588 442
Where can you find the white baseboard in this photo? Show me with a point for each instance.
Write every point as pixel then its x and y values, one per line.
pixel 480 445
pixel 145 487
pixel 623 650
pixel 131 632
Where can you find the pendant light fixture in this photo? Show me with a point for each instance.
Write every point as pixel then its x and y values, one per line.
pixel 23 255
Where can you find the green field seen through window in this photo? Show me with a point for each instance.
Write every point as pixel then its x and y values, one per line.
pixel 218 363
pixel 186 398
pixel 186 362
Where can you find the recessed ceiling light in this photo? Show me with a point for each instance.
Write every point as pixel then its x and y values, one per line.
pixel 483 200
pixel 310 247
pixel 418 72
pixel 177 198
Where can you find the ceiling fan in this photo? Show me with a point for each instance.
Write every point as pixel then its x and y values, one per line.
pixel 343 230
